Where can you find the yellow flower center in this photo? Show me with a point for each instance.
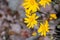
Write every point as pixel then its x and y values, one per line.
pixel 31 19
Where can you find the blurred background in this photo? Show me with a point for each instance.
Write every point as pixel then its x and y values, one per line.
pixel 12 26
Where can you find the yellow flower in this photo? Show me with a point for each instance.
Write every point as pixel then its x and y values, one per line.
pixel 44 2
pixel 34 33
pixel 31 20
pixel 53 16
pixel 43 28
pixel 30 6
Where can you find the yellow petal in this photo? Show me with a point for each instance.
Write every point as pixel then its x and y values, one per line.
pixel 28 24
pixel 25 18
pixel 37 17
pixel 34 34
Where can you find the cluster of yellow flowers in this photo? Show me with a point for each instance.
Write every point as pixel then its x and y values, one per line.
pixel 31 7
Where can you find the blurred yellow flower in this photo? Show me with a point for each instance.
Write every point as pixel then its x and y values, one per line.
pixel 44 2
pixel 53 16
pixel 43 28
pixel 34 34
pixel 31 20
pixel 30 6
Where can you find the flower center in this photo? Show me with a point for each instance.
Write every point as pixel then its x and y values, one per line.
pixel 31 19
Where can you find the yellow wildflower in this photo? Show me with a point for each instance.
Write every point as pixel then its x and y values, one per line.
pixel 53 16
pixel 31 20
pixel 30 6
pixel 44 2
pixel 43 28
